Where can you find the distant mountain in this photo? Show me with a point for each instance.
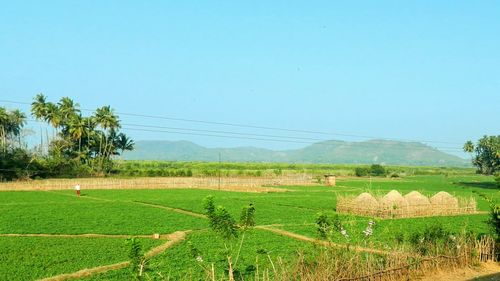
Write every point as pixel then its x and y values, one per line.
pixel 341 152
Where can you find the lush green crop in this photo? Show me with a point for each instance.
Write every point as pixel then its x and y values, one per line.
pixel 121 212
pixel 29 258
pixel 173 168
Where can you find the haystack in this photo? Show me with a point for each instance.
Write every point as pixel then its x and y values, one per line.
pixel 415 198
pixel 393 200
pixel 418 204
pixel 443 198
pixel 444 203
pixel 366 200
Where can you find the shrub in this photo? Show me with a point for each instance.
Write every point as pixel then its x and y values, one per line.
pixel 361 171
pixel 377 170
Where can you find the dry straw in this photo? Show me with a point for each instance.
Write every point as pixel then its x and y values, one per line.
pixel 413 204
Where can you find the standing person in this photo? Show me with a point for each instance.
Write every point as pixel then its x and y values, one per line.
pixel 77 189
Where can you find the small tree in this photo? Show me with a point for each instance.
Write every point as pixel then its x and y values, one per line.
pixel 377 170
pixel 487 154
pixel 137 258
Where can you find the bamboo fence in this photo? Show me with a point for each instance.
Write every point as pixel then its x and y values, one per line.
pixel 347 205
pixel 227 183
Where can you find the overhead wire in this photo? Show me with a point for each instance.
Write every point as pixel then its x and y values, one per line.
pixel 251 126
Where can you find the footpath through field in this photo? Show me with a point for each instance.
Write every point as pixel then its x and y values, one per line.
pixel 173 239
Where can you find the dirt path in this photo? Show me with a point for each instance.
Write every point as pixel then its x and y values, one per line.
pixel 181 211
pixel 89 235
pixel 320 242
pixel 173 238
pixel 489 271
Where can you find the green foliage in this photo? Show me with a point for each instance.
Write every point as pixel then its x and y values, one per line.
pixel 377 170
pixel 373 170
pixel 34 258
pixel 486 154
pixel 137 258
pixel 247 217
pixel 361 171
pixel 428 241
pixel 221 221
pixel 495 219
pixel 325 225
pixel 60 212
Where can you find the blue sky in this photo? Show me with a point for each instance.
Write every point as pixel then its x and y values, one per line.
pixel 423 70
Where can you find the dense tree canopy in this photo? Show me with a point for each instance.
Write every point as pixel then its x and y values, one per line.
pixel 81 145
pixel 91 140
pixel 486 154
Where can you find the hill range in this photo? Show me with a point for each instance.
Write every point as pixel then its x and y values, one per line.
pixel 339 152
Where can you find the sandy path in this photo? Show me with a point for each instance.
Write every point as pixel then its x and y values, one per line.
pixel 173 238
pixel 181 211
pixel 321 242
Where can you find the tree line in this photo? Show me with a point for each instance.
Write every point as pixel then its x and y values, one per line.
pixel 81 145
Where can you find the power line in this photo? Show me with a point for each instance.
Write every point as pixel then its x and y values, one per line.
pixel 251 126
pixel 245 136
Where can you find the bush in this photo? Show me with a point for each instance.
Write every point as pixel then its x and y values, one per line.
pixel 377 170
pixel 361 171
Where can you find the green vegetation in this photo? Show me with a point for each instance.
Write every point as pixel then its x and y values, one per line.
pixel 139 212
pixel 486 154
pixel 81 146
pixel 30 258
pixel 228 169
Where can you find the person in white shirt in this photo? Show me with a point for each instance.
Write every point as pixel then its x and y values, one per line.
pixel 77 189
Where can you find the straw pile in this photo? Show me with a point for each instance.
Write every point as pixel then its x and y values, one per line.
pixel 413 204
pixel 417 203
pixel 444 203
pixel 393 200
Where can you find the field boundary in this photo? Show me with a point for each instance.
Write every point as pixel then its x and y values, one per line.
pixel 173 238
pixel 177 210
pixel 321 242
pixel 88 235
pixel 241 184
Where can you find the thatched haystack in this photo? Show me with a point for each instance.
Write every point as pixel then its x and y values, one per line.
pixel 367 200
pixel 444 203
pixel 415 198
pixel 393 200
pixel 418 204
pixel 413 204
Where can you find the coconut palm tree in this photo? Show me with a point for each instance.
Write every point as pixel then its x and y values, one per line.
pixel 53 115
pixel 107 120
pixel 39 107
pixel 68 108
pixel 77 128
pixel 123 143
pixel 469 147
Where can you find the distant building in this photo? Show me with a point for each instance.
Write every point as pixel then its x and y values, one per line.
pixel 330 180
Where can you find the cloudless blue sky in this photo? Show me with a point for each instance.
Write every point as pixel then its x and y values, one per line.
pixel 425 70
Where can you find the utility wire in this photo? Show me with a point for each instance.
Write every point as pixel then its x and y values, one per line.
pixel 250 126
pixel 245 136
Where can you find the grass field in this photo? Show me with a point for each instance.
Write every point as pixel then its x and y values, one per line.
pixel 140 212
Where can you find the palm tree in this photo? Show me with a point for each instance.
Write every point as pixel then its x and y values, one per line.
pixel 17 122
pixel 53 115
pixel 107 120
pixel 123 143
pixel 77 128
pixel 39 107
pixel 4 121
pixel 469 147
pixel 68 108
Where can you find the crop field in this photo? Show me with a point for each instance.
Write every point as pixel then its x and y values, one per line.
pixel 42 232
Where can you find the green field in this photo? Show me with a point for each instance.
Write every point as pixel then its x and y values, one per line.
pixel 123 212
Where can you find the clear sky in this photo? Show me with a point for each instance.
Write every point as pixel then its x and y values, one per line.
pixel 423 70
